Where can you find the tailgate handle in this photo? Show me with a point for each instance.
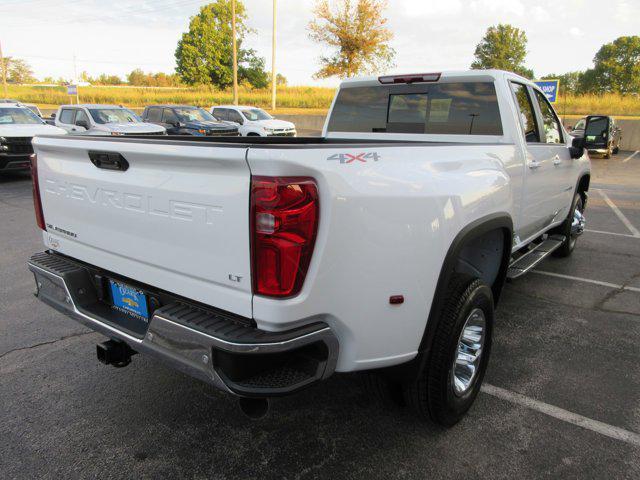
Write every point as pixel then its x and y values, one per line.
pixel 109 160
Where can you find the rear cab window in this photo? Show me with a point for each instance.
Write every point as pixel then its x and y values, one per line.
pixel 452 108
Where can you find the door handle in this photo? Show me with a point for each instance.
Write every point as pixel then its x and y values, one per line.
pixel 109 160
pixel 534 164
pixel 557 160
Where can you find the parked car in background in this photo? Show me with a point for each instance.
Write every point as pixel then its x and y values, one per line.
pixel 254 121
pixel 603 135
pixel 34 108
pixel 188 120
pixel 18 125
pixel 92 119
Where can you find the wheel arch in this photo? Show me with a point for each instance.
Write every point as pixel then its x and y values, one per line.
pixel 583 185
pixel 498 222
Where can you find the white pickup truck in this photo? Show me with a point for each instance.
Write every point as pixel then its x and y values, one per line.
pixel 264 265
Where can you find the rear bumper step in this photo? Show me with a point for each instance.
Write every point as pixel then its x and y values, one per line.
pixel 206 344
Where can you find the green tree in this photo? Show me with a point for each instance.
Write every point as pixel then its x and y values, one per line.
pixel 503 47
pixel 357 34
pixel 105 79
pixel 617 67
pixel 204 53
pixel 281 80
pixel 137 77
pixel 17 70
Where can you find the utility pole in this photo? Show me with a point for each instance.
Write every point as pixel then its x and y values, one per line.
pixel 75 79
pixel 235 53
pixel 4 71
pixel 273 61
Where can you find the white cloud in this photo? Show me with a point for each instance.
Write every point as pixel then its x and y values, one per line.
pixel 576 32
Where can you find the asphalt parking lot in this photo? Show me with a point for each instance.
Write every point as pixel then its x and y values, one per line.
pixel 561 400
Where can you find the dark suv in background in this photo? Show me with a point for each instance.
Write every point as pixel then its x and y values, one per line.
pixel 603 134
pixel 188 120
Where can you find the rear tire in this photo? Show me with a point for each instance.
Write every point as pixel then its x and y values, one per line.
pixel 565 229
pixel 445 389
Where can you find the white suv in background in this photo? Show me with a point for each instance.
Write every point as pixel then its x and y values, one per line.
pixel 18 125
pixel 254 121
pixel 91 119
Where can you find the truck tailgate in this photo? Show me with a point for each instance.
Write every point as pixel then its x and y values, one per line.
pixel 176 219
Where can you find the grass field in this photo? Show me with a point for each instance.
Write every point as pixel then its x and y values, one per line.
pixel 290 99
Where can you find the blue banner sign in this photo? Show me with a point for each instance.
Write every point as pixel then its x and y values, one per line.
pixel 549 88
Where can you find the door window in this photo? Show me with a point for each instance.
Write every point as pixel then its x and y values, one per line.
pixel 220 113
pixel 169 117
pixel 552 130
pixel 154 115
pixel 80 115
pixel 234 116
pixel 66 116
pixel 527 117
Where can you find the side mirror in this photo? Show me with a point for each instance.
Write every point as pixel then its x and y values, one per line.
pixel 178 124
pixel 596 132
pixel 577 147
pixel 83 124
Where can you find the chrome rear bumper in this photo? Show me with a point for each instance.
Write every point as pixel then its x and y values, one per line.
pixel 206 344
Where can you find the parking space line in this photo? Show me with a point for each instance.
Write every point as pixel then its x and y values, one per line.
pixel 588 280
pixel 628 235
pixel 620 215
pixel 630 156
pixel 602 428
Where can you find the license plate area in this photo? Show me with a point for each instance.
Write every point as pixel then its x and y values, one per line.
pixel 129 300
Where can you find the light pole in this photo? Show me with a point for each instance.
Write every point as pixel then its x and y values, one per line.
pixel 4 71
pixel 273 61
pixel 235 53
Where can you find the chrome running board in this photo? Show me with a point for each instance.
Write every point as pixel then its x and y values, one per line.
pixel 534 256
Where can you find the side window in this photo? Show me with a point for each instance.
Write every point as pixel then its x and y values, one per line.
pixel 168 116
pixel 154 115
pixel 527 117
pixel 234 116
pixel 552 130
pixel 66 115
pixel 80 115
pixel 219 113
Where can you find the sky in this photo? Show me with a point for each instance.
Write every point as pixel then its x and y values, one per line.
pixel 116 36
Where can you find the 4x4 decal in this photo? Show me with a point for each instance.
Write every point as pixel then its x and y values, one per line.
pixel 355 157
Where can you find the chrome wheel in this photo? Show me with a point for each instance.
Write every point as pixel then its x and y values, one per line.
pixel 577 223
pixel 469 352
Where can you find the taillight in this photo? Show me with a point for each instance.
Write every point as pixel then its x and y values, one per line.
pixel 37 202
pixel 284 223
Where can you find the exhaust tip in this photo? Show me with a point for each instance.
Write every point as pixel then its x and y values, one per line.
pixel 254 408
